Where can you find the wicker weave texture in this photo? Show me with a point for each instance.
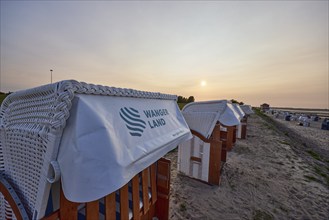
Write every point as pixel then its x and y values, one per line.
pixel 28 144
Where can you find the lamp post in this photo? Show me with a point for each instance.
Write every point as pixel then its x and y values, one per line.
pixel 51 76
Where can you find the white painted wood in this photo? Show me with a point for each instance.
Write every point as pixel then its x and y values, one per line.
pixel 195 169
pixel 239 131
pixel 184 154
pixel 197 148
pixel 205 161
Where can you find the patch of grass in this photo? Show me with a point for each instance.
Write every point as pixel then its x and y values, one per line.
pixel 260 113
pixel 181 105
pixel 270 122
pixel 182 207
pixel 284 142
pixel 314 155
pixel 312 178
pixel 262 215
pixel 269 126
pixel 2 97
pixel 319 171
pixel 263 115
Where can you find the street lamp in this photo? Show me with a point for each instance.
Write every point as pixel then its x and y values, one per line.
pixel 51 76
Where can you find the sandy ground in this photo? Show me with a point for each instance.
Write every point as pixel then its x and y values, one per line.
pixel 273 174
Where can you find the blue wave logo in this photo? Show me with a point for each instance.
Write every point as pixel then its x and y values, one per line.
pixel 135 125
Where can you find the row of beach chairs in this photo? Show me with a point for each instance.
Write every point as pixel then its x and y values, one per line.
pixel 215 126
pixel 302 119
pixel 73 150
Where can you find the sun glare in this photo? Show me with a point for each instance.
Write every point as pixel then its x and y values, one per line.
pixel 203 83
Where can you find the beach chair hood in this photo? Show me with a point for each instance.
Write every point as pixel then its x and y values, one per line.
pixel 229 117
pixel 247 109
pixel 238 110
pixel 203 116
pixel 108 140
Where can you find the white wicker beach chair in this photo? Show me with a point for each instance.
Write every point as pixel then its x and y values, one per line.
pixel 31 130
pixel 212 124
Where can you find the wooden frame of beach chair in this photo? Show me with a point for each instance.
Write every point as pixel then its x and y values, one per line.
pixel 154 179
pixel 234 134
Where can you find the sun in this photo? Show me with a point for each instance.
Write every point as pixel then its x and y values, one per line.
pixel 203 83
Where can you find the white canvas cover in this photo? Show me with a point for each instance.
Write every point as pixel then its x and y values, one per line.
pixel 247 109
pixel 202 122
pixel 203 116
pixel 229 117
pixel 238 110
pixel 109 139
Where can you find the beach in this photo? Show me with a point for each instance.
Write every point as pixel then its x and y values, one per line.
pixel 280 171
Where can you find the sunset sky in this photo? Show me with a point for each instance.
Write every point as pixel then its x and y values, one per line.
pixel 252 51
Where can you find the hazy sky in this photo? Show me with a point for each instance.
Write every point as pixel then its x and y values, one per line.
pixel 252 51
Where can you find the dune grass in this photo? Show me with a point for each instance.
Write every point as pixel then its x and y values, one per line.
pixel 314 155
pixel 181 105
pixel 2 97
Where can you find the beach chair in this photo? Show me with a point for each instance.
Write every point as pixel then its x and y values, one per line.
pixel 200 157
pixel 73 150
pixel 241 130
pixel 212 125
pixel 247 111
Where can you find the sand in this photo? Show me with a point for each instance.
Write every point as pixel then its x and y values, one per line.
pixel 273 174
